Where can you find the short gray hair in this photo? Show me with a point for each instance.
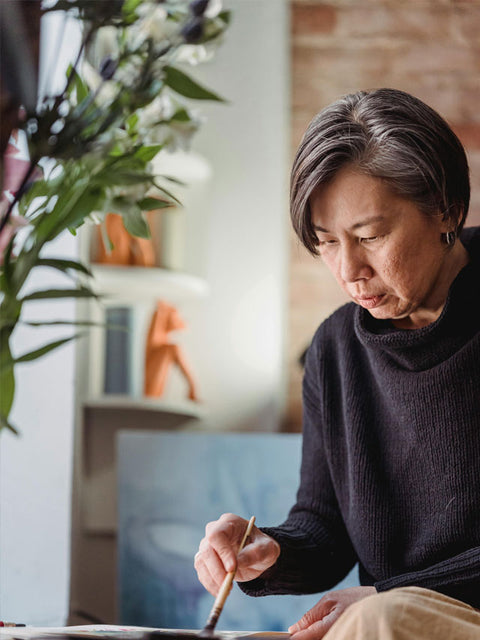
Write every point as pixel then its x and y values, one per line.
pixel 387 134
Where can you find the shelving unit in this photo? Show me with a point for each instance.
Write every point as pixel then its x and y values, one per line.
pixel 137 284
pixel 187 408
pixel 100 417
pixel 102 422
pixel 137 289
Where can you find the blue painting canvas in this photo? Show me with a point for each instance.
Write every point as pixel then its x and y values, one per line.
pixel 170 486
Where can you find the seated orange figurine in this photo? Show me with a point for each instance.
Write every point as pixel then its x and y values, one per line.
pixel 161 354
pixel 127 249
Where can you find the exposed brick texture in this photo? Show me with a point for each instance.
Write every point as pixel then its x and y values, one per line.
pixel 430 48
pixel 313 18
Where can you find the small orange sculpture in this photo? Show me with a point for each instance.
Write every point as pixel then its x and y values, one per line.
pixel 127 249
pixel 161 354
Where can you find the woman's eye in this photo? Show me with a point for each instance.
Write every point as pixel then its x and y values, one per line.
pixel 324 243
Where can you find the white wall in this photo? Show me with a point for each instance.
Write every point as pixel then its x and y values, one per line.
pixel 35 476
pixel 36 468
pixel 238 358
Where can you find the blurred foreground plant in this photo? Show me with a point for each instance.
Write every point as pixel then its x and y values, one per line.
pixel 123 102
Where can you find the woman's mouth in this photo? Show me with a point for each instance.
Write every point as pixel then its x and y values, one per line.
pixel 369 302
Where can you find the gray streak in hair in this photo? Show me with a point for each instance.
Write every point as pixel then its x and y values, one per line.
pixel 387 134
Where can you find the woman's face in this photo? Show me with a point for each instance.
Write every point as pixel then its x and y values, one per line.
pixel 383 251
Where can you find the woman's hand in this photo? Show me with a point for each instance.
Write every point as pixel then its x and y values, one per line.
pixel 318 620
pixel 217 554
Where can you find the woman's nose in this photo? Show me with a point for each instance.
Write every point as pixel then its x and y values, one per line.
pixel 354 265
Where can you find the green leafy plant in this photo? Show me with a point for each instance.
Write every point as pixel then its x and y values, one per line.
pixel 125 99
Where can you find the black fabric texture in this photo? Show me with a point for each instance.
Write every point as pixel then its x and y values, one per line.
pixel 390 475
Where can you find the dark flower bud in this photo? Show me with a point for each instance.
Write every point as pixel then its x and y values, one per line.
pixel 108 9
pixel 198 7
pixel 32 126
pixel 108 66
pixel 193 30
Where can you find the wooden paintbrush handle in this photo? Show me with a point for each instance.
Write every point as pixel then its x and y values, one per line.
pixel 220 600
pixel 227 583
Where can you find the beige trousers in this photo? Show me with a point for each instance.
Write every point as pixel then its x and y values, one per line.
pixel 407 613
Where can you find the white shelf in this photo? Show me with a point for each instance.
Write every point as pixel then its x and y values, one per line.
pixel 146 283
pixel 187 408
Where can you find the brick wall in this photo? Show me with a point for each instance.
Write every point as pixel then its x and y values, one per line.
pixel 430 48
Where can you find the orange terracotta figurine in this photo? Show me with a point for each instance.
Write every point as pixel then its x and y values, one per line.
pixel 127 249
pixel 162 354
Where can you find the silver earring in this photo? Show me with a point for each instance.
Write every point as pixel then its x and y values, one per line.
pixel 450 238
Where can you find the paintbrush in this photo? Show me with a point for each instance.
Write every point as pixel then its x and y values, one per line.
pixel 207 631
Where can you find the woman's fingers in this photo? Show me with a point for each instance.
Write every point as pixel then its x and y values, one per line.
pixel 209 567
pixel 205 576
pixel 318 620
pixel 318 629
pixel 225 536
pixel 316 614
pixel 218 550
pixel 210 572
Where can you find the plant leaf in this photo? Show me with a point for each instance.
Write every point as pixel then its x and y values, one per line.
pixel 76 202
pixel 180 115
pixel 150 204
pixel 78 323
pixel 131 122
pixel 49 323
pixel 64 265
pixel 41 351
pixel 226 16
pixel 7 266
pixel 7 382
pixel 5 424
pixel 147 153
pixel 92 200
pixel 47 294
pixel 118 205
pixel 166 192
pixel 174 180
pixel 125 177
pixel 136 224
pixel 107 243
pixel 80 86
pixel 39 189
pixel 129 7
pixel 185 86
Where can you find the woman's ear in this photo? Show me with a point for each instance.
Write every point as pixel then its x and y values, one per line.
pixel 460 216
pixel 452 218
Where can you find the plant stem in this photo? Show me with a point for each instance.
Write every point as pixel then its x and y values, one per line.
pixel 18 195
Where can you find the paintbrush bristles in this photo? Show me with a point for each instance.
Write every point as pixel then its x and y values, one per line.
pixel 219 601
pixel 224 589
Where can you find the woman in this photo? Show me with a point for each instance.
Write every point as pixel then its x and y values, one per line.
pixel 391 439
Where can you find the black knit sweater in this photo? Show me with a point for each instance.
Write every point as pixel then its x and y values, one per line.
pixel 390 472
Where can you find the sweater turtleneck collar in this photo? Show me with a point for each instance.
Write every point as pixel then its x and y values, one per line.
pixel 420 349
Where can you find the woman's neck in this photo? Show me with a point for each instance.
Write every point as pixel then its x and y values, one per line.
pixel 455 261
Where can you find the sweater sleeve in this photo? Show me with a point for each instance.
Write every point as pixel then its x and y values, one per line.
pixel 316 552
pixel 457 577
